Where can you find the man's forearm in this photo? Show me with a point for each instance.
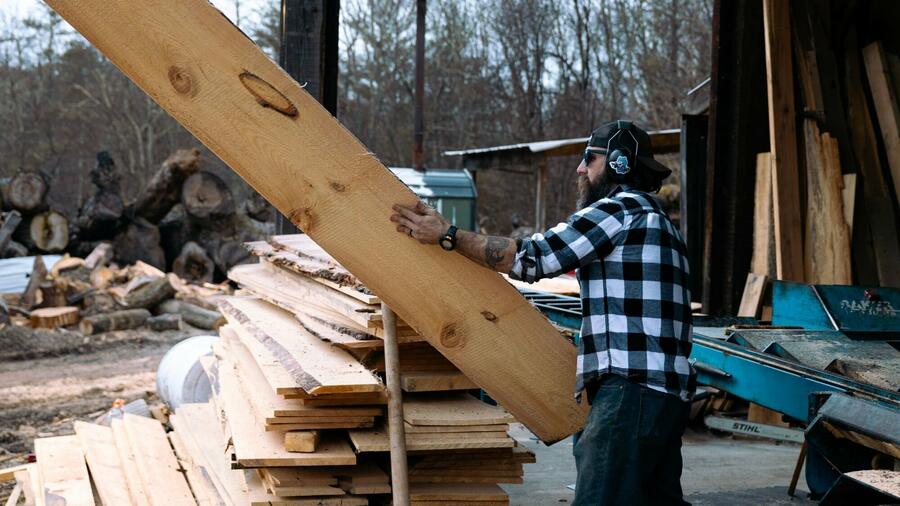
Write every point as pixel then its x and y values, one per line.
pixel 494 252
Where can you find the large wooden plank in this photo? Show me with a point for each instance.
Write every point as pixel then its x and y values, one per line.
pixel 63 474
pixel 104 462
pixel 211 78
pixel 157 466
pixel 783 141
pixel 136 489
pixel 887 105
pixel 827 235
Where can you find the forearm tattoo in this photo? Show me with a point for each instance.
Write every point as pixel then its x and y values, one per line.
pixel 494 249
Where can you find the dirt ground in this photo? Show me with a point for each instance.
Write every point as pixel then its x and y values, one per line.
pixel 43 396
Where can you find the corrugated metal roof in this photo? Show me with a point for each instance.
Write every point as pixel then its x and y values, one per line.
pixel 544 146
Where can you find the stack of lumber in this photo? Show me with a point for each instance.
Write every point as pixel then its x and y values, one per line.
pixel 297 275
pixel 827 208
pixel 131 462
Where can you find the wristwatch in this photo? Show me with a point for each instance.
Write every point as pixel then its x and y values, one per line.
pixel 448 241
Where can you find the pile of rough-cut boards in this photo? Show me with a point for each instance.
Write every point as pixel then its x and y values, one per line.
pixel 130 462
pixel 299 400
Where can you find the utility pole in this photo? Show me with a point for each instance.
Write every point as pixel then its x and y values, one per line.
pixel 418 156
pixel 309 54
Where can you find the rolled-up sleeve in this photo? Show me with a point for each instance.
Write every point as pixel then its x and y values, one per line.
pixel 586 235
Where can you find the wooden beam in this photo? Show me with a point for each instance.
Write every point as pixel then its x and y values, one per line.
pixel 157 466
pixel 887 105
pixel 397 432
pixel 251 114
pixel 783 140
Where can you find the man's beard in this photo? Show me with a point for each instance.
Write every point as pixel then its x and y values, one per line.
pixel 589 192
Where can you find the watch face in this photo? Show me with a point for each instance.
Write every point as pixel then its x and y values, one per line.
pixel 446 243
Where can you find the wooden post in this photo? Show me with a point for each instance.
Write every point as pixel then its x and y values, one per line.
pixel 783 140
pixel 540 204
pixel 399 473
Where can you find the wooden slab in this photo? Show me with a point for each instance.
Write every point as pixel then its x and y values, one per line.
pixel 436 492
pixel 136 489
pixel 63 474
pixel 198 428
pixel 160 474
pixel 377 440
pixel 314 366
pixel 451 409
pixel 256 447
pixel 435 382
pixel 236 100
pixel 271 406
pixel 104 462
pixel 259 497
pixel 205 492
pixel 427 429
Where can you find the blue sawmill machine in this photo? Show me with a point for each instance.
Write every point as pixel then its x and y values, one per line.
pixel 829 361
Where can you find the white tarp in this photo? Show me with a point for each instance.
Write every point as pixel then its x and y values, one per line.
pixel 14 272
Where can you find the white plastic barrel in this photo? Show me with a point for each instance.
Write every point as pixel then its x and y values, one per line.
pixel 180 377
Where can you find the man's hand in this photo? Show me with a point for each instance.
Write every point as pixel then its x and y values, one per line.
pixel 428 226
pixel 420 222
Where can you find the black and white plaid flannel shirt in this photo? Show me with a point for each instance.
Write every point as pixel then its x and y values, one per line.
pixel 633 273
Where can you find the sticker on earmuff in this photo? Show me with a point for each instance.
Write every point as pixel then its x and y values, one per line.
pixel 620 165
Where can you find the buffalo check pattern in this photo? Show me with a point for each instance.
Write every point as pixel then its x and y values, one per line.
pixel 633 273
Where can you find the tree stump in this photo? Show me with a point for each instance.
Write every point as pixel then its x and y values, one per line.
pixel 193 264
pixel 164 188
pixel 206 197
pixel 119 320
pixel 54 317
pixel 27 192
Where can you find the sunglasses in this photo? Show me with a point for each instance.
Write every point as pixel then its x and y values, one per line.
pixel 590 153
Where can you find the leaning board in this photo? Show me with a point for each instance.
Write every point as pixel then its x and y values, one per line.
pixel 208 75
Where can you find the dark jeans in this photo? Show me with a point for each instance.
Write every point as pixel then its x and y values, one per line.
pixel 629 452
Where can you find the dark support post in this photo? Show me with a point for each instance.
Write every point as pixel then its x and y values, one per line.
pixel 694 131
pixel 738 119
pixel 309 53
pixel 418 156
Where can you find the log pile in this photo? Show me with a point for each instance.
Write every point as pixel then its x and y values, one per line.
pixel 94 296
pixel 185 219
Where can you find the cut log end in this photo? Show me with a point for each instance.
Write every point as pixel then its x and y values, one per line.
pixel 205 196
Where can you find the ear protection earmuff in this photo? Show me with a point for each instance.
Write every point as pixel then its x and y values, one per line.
pixel 622 160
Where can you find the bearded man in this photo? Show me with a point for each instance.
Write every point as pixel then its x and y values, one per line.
pixel 636 329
